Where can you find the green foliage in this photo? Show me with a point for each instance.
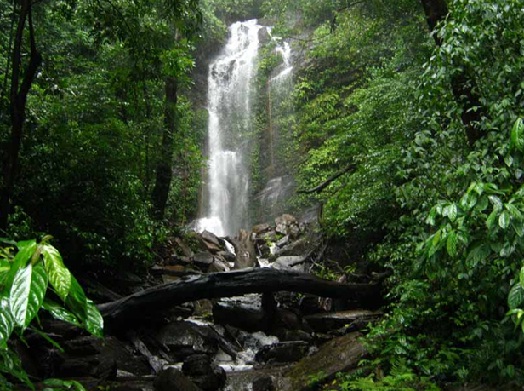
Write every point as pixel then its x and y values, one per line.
pixel 399 380
pixel 463 206
pixel 25 280
pixel 377 97
pixel 95 121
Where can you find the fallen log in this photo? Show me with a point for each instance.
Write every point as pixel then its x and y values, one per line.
pixel 250 280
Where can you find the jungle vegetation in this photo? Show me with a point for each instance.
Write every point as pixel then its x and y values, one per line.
pixel 407 118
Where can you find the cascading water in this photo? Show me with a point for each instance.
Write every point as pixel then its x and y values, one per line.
pixel 230 89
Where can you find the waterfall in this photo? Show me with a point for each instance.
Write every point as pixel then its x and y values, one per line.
pixel 230 106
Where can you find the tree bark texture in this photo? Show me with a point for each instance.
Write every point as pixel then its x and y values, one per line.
pixel 21 81
pixel 462 85
pixel 154 300
pixel 164 171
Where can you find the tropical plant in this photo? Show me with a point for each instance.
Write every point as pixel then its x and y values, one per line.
pixel 33 277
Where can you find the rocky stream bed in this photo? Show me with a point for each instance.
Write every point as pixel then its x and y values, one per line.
pixel 268 340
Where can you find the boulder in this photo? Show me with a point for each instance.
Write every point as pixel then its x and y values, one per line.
pixel 261 228
pixel 172 379
pixel 182 339
pixel 284 223
pixel 282 352
pixel 264 383
pixel 296 263
pixel 205 374
pixel 210 238
pixel 203 259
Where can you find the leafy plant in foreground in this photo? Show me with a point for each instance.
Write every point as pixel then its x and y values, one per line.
pixel 26 277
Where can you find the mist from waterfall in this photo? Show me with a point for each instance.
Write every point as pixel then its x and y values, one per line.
pixel 280 183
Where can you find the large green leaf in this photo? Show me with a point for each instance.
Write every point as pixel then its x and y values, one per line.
pixel 451 211
pixel 504 219
pixel 516 296
pixel 5 267
pixel 517 136
pixel 19 294
pixel 59 312
pixel 94 322
pixel 26 249
pixel 451 244
pixel 59 275
pixel 7 322
pixel 76 300
pixel 39 283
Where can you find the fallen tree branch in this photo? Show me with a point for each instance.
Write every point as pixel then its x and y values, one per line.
pixel 155 300
pixel 327 182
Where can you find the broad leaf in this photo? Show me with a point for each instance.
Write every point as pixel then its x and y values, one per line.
pixel 451 244
pixel 504 219
pixel 5 266
pixel 59 275
pixel 496 202
pixel 478 254
pixel 60 312
pixel 516 296
pixel 517 136
pixel 19 294
pixel 94 322
pixel 76 300
pixel 451 211
pixel 26 249
pixel 39 283
pixel 7 322
pixel 468 201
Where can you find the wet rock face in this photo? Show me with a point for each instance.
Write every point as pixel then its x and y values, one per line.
pixel 182 339
pixel 282 352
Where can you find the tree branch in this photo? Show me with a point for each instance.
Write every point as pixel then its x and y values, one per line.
pixel 318 189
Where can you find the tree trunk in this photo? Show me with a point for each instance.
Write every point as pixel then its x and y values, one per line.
pixel 462 85
pixel 154 300
pixel 20 86
pixel 164 171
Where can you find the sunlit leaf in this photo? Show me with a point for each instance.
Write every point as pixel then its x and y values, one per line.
pixel 504 220
pixel 59 312
pixel 94 322
pixel 7 322
pixel 451 211
pixel 59 275
pixel 19 294
pixel 517 136
pixel 37 292
pixel 26 249
pixel 516 296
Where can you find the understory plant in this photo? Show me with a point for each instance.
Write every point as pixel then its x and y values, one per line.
pixel 33 277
